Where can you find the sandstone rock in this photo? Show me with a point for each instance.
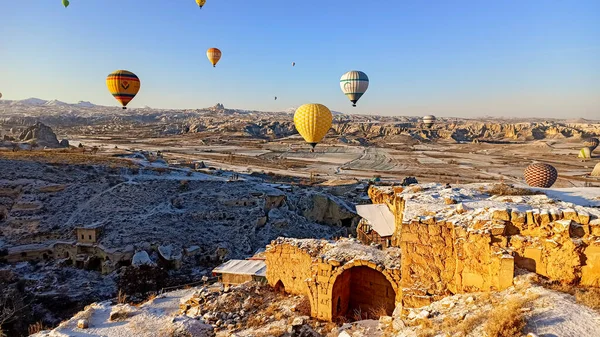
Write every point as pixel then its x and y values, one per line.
pixel 41 134
pixel 328 209
pixel 121 312
pixel 83 324
pixel 189 327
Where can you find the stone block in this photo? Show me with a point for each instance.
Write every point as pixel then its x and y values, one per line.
pixel 584 217
pixel 518 217
pixel 501 214
pixel 590 273
pixel 570 214
pixel 472 280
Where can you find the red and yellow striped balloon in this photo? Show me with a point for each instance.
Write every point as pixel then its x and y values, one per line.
pixel 123 85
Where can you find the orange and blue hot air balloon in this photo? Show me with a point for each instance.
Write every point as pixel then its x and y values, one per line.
pixel 123 85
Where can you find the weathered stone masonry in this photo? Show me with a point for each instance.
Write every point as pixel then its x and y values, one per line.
pixel 445 248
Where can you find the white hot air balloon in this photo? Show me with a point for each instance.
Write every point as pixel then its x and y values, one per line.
pixel 354 84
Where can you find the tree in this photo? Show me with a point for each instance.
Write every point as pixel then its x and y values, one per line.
pixel 143 280
pixel 11 306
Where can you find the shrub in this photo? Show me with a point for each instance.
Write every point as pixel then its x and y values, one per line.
pixel 506 320
pixel 505 189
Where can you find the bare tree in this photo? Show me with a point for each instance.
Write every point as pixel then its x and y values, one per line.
pixel 11 305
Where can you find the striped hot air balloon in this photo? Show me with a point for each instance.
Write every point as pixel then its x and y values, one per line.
pixel 214 55
pixel 312 122
pixel 429 120
pixel 592 143
pixel 123 85
pixel 585 153
pixel 354 84
pixel 540 175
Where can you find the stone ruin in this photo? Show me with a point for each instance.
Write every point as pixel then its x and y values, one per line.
pixel 446 241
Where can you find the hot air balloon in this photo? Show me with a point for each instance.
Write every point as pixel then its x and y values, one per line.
pixel 429 120
pixel 293 64
pixel 354 84
pixel 312 122
pixel 214 55
pixel 0 95
pixel 592 143
pixel 65 3
pixel 596 171
pixel 123 85
pixel 585 153
pixel 275 97
pixel 200 3
pixel 540 175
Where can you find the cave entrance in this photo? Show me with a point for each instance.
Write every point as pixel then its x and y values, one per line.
pixel 279 287
pixel 362 293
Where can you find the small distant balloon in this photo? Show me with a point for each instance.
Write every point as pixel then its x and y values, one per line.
pixel 429 120
pixel 0 95
pixel 275 97
pixel 65 3
pixel 200 3
pixel 354 84
pixel 214 55
pixel 585 153
pixel 293 64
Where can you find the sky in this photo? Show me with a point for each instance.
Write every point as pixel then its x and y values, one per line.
pixel 460 58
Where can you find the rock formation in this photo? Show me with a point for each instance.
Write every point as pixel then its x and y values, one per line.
pixel 40 134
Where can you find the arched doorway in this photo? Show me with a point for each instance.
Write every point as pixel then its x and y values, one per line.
pixel 362 293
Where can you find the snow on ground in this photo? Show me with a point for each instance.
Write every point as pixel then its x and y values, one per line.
pixel 558 314
pixel 430 200
pixel 152 319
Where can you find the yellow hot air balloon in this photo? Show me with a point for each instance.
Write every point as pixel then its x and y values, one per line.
pixel 200 3
pixel 214 55
pixel 123 85
pixel 312 122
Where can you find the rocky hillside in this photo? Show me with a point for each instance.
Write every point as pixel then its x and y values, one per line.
pixel 145 207
pixel 218 120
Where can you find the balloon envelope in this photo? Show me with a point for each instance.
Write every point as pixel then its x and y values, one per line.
pixel 200 3
pixel 293 64
pixel 65 3
pixel 0 95
pixel 123 85
pixel 429 120
pixel 312 122
pixel 214 55
pixel 354 84
pixel 540 175
pixel 585 153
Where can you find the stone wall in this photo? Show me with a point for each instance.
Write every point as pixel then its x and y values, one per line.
pixel 333 288
pixel 455 250
pixel 440 257
pixel 289 265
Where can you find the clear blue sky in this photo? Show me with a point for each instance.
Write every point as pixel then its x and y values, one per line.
pixel 448 58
